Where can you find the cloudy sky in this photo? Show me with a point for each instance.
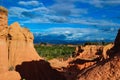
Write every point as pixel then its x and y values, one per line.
pixel 75 19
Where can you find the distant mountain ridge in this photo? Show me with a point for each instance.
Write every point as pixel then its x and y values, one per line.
pixel 62 39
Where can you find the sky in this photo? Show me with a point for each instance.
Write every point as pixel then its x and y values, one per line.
pixel 75 19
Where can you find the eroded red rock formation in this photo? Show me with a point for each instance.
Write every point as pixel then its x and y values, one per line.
pixel 19 59
pixel 3 41
pixel 107 69
pixel 20 45
pixel 90 51
pixel 86 60
pixel 106 50
pixel 90 55
pixel 17 53
pixel 10 75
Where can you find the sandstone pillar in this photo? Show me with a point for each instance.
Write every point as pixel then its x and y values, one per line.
pixel 3 40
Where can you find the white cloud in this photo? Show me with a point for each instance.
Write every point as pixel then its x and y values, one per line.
pixel 96 3
pixel 91 21
pixel 57 14
pixel 101 3
pixel 78 34
pixel 30 3
pixel 70 33
pixel 67 8
pixel 56 19
pixel 72 30
pixel 44 15
pixel 37 20
pixel 40 10
pixel 16 11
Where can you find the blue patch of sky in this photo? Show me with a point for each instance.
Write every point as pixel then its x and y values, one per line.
pixel 93 18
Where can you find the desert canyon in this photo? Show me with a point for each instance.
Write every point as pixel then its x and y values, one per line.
pixel 20 61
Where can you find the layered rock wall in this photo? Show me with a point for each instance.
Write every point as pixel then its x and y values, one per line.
pixel 18 57
pixel 3 42
pixel 108 69
pixel 16 44
pixel 21 46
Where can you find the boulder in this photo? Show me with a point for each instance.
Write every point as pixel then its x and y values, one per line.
pixel 107 50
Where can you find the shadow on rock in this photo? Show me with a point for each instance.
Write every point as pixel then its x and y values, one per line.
pixel 38 70
pixel 83 61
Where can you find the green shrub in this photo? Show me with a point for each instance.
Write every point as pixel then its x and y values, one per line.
pixel 55 51
pixel 11 68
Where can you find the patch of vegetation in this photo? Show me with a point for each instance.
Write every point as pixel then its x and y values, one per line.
pixel 49 51
pixel 54 51
pixel 11 68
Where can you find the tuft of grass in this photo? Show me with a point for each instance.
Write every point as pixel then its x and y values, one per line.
pixel 11 68
pixel 3 9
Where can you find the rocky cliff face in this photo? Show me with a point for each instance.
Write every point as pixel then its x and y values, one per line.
pixel 20 45
pixel 3 42
pixel 16 44
pixel 3 19
pixel 10 75
pixel 95 63
pixel 90 51
pixel 108 69
pixel 88 56
pixel 18 58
